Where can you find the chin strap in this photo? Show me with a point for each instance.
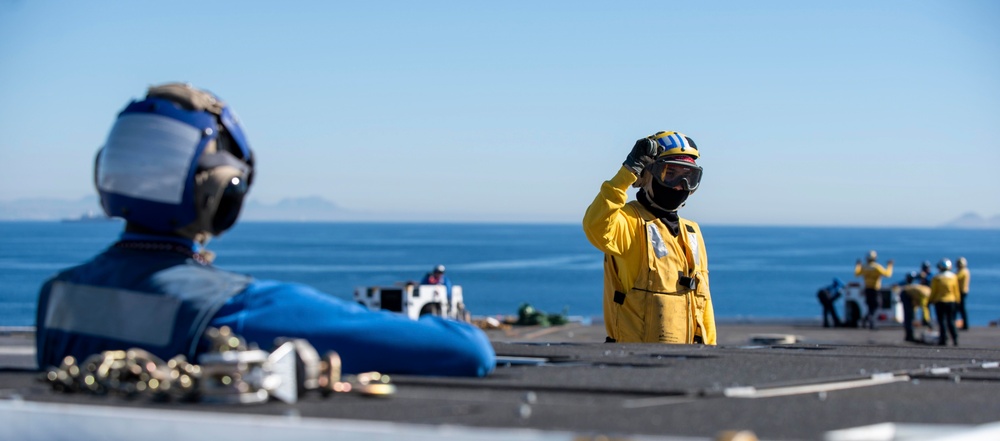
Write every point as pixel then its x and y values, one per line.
pixel 203 257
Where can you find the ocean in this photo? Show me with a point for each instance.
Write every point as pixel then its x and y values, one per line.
pixel 755 272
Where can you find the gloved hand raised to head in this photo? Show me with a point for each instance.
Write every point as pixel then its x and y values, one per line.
pixel 643 153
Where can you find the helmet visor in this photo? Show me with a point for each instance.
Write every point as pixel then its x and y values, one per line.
pixel 672 173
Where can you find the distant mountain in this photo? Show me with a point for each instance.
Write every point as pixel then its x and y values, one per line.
pixel 974 220
pixel 311 208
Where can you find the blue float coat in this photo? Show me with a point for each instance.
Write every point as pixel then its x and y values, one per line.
pixel 257 310
pixel 365 340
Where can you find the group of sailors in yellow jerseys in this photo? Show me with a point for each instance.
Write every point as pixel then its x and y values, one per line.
pixel 946 291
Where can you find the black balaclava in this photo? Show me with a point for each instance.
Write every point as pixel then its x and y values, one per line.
pixel 668 198
pixel 657 205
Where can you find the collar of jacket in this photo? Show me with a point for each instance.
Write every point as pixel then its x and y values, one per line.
pixel 669 218
pixel 177 244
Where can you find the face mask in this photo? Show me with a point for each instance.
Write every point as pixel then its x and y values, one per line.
pixel 668 198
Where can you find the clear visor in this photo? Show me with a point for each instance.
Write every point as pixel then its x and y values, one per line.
pixel 673 174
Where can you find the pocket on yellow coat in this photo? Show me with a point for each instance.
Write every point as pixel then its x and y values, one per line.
pixel 667 319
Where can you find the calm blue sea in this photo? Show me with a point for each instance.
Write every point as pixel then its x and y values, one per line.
pixel 756 272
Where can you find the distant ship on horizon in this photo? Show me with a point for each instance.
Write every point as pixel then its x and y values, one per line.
pixel 91 216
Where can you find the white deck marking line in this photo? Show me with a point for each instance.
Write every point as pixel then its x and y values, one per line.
pixel 17 350
pixel 752 392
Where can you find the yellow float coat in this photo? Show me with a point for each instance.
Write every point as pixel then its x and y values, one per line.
pixel 963 280
pixel 873 273
pixel 919 295
pixel 645 265
pixel 944 288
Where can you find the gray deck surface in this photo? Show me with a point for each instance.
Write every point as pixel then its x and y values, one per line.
pixel 571 382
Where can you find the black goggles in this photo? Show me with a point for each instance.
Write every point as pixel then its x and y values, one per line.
pixel 674 173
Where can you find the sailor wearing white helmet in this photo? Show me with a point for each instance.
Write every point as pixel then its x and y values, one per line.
pixel 945 297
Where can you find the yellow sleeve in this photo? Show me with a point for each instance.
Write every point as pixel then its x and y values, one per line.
pixel 956 292
pixel 887 271
pixel 857 269
pixel 963 281
pixel 710 335
pixel 605 224
pixel 709 332
pixel 709 318
pixel 938 290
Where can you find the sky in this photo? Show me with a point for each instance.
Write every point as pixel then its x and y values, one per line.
pixel 852 113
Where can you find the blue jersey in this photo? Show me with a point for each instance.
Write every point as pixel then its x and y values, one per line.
pixel 443 280
pixel 161 299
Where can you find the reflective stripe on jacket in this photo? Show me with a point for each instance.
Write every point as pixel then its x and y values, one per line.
pixel 158 301
pixel 656 285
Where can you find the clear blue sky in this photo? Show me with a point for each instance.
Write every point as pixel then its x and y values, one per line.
pixel 806 113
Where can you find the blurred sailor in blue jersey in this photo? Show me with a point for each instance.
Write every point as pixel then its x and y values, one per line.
pixel 828 296
pixel 437 277
pixel 177 166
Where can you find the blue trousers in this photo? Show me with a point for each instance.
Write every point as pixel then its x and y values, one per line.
pixel 945 312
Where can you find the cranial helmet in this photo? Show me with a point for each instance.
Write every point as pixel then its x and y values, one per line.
pixel 961 262
pixel 872 256
pixel 944 264
pixel 676 143
pixel 175 162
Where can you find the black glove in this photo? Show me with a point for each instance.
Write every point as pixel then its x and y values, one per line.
pixel 643 153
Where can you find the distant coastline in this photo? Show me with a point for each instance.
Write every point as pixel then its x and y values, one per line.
pixel 316 209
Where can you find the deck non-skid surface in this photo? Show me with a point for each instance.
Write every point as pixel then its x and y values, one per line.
pixel 564 379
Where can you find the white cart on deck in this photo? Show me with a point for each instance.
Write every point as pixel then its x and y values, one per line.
pixel 414 301
pixel 889 312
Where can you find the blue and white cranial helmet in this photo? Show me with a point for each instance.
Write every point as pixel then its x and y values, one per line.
pixel 944 264
pixel 177 161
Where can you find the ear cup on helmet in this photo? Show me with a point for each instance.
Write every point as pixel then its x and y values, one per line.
pixel 219 199
pixel 97 172
pixel 230 204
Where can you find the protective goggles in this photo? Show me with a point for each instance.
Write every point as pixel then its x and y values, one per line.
pixel 673 172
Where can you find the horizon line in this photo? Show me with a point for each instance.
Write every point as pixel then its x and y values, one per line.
pixel 525 223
